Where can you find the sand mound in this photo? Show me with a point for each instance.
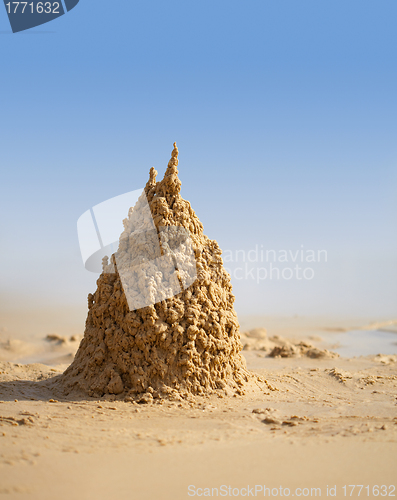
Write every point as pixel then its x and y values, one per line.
pixel 141 336
pixel 279 347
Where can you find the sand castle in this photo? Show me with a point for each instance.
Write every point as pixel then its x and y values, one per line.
pixel 176 344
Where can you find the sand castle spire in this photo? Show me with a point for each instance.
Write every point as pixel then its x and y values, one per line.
pixel 174 157
pixel 171 185
pixel 150 187
pixel 152 177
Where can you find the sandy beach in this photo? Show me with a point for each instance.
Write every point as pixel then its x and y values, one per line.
pixel 321 423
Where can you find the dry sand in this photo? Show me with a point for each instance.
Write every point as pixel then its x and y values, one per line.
pixel 320 422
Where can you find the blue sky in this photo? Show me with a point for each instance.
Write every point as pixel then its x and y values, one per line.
pixel 284 113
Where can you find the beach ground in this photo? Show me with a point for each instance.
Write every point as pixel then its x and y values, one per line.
pixel 321 423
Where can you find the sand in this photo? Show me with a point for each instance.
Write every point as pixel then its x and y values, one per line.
pixel 321 422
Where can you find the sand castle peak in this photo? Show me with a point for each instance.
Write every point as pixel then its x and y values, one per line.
pixel 168 188
pixel 171 185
